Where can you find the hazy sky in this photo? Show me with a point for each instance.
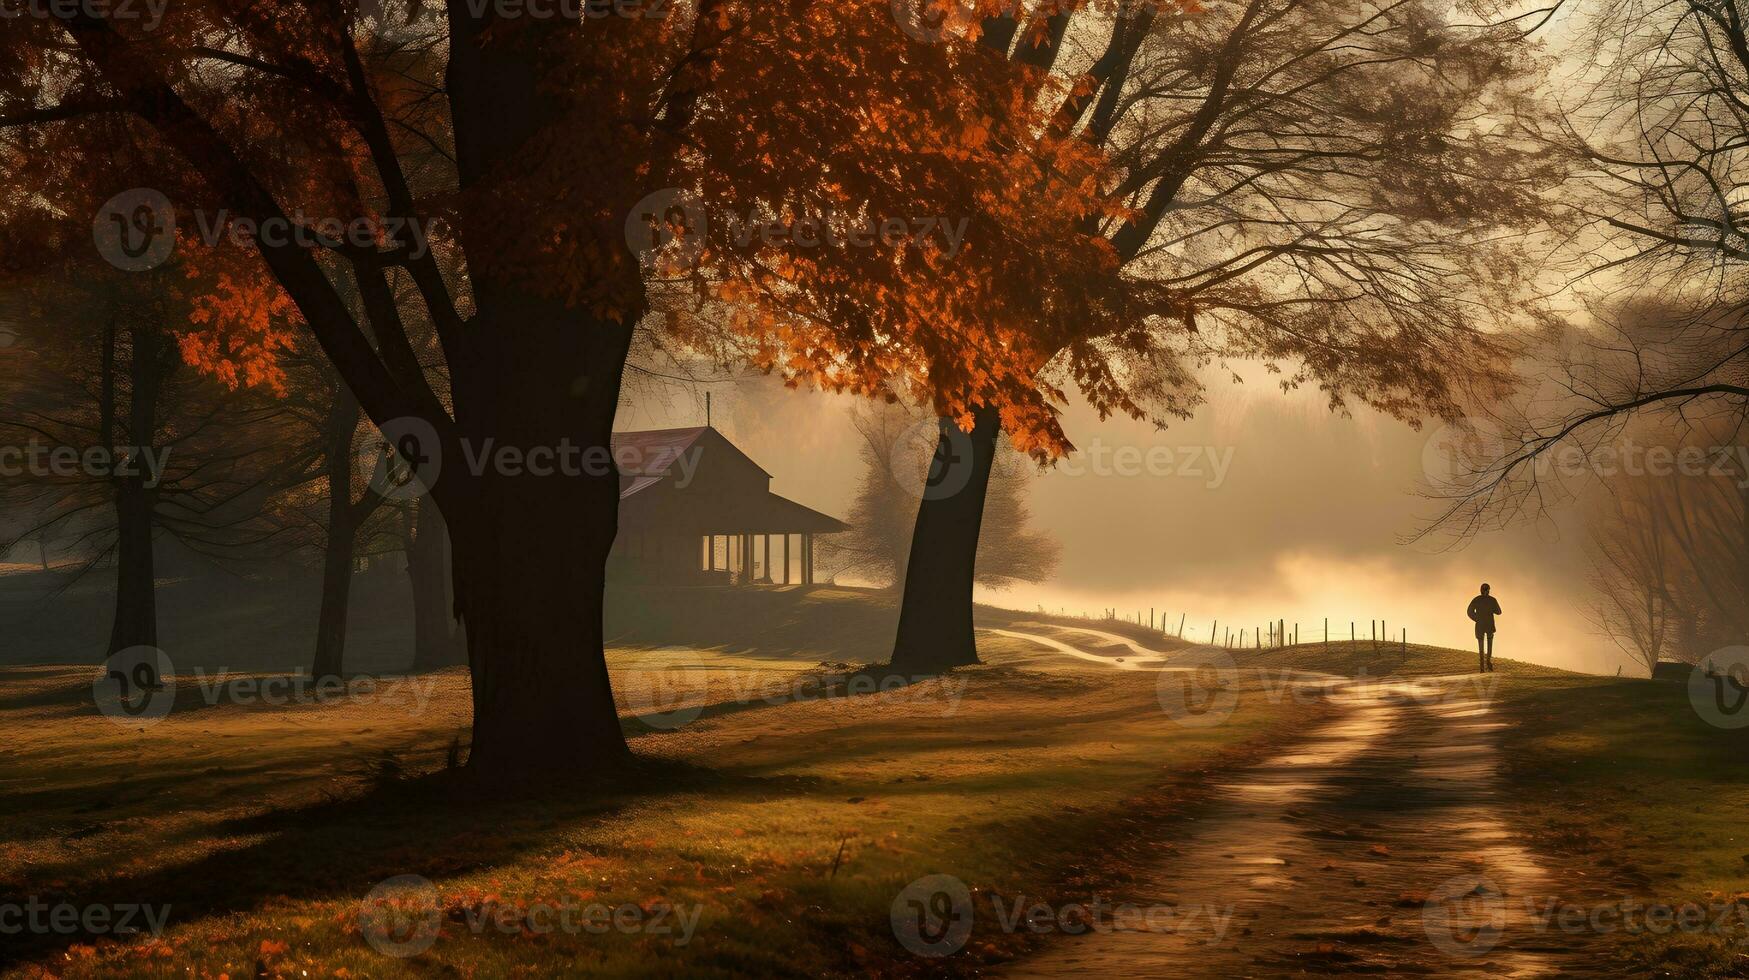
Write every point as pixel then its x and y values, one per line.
pixel 1264 506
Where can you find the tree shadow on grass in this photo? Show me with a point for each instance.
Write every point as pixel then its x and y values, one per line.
pixel 834 682
pixel 437 826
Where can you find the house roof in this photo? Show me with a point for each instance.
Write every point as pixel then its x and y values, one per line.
pixel 768 514
pixel 653 452
pixel 646 458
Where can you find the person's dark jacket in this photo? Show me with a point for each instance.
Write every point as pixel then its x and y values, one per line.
pixel 1483 609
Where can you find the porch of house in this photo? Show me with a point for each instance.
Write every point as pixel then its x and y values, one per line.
pixel 758 559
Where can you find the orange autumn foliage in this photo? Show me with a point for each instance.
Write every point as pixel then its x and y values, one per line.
pixel 782 112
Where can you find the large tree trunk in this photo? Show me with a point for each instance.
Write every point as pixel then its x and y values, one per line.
pixel 530 372
pixel 530 549
pixel 935 616
pixel 436 641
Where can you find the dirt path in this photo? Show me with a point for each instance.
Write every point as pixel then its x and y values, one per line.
pixel 1379 844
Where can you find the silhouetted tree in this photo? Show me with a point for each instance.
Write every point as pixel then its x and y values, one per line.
pixel 161 450
pixel 1010 549
pixel 1332 188
pixel 552 134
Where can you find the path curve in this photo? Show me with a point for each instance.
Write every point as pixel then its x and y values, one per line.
pixel 1075 652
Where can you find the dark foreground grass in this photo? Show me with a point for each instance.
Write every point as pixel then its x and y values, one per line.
pixel 769 841
pixel 1627 776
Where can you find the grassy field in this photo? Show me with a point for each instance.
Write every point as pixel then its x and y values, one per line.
pixel 1625 775
pixel 768 828
pixel 769 836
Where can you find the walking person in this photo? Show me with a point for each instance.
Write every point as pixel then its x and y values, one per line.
pixel 1483 609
